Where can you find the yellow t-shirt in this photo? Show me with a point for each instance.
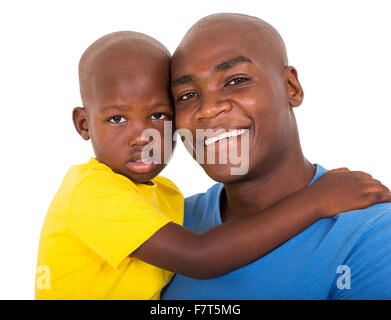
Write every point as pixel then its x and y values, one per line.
pixel 95 221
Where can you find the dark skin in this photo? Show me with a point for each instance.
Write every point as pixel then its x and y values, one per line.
pixel 124 74
pixel 262 100
pixel 263 97
pixel 119 106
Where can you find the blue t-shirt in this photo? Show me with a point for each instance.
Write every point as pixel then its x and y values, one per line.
pixel 344 257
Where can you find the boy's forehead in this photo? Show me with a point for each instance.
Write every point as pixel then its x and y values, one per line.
pixel 129 82
pixel 126 60
pixel 128 77
pixel 119 60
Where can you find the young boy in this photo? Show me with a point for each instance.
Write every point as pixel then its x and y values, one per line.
pixel 113 229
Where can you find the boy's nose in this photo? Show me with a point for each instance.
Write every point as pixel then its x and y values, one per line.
pixel 136 137
pixel 139 140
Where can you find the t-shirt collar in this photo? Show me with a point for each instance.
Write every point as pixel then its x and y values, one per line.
pixel 318 173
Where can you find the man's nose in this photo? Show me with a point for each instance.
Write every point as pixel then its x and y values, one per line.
pixel 212 106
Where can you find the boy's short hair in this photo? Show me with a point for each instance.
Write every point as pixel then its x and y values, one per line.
pixel 110 45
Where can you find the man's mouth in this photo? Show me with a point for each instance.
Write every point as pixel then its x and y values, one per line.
pixel 225 135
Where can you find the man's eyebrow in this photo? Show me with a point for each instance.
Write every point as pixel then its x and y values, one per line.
pixel 220 67
pixel 231 63
pixel 182 80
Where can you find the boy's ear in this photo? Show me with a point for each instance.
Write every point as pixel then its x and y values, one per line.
pixel 295 92
pixel 79 117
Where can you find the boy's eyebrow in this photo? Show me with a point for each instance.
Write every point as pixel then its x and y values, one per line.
pixel 126 107
pixel 115 107
pixel 220 67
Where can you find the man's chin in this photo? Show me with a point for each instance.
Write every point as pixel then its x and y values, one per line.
pixel 225 173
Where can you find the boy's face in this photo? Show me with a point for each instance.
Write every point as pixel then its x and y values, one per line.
pixel 222 79
pixel 128 95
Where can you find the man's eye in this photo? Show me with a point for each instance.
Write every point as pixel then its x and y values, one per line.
pixel 117 119
pixel 158 116
pixel 187 96
pixel 237 81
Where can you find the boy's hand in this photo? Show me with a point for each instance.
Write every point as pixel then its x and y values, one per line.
pixel 341 190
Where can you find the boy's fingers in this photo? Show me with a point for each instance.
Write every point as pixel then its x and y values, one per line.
pixel 374 182
pixel 386 197
pixel 380 196
pixel 376 188
pixel 386 188
pixel 362 174
pixel 377 184
pixel 344 169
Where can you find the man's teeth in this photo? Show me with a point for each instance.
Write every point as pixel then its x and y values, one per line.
pixel 231 133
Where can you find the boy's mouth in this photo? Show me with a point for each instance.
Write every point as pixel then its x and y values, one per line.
pixel 141 165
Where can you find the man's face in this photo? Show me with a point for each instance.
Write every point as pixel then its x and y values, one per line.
pixel 224 80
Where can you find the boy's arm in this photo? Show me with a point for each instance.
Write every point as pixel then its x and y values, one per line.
pixel 236 243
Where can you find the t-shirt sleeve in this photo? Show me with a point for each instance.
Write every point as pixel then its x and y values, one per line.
pixel 367 270
pixel 111 218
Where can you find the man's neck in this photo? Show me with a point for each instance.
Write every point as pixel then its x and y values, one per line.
pixel 271 186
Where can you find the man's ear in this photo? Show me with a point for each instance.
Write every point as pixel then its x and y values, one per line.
pixel 295 92
pixel 79 117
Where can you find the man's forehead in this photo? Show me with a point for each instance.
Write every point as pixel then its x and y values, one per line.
pixel 214 40
pixel 226 37
pixel 217 57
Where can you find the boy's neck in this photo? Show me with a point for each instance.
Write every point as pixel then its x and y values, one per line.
pixel 148 183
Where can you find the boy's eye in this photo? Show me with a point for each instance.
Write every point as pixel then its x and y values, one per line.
pixel 187 96
pixel 158 116
pixel 117 119
pixel 236 81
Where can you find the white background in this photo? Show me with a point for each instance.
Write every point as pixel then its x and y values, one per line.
pixel 341 50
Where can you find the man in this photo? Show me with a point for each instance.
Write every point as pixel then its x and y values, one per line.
pixel 231 71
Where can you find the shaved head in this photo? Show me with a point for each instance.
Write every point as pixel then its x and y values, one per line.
pixel 231 71
pixel 115 54
pixel 237 29
pixel 124 85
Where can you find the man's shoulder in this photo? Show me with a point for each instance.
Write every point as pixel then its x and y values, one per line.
pixel 364 230
pixel 210 194
pixel 366 215
pixel 379 213
pixel 203 198
pixel 369 258
pixel 202 206
pixel 378 218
